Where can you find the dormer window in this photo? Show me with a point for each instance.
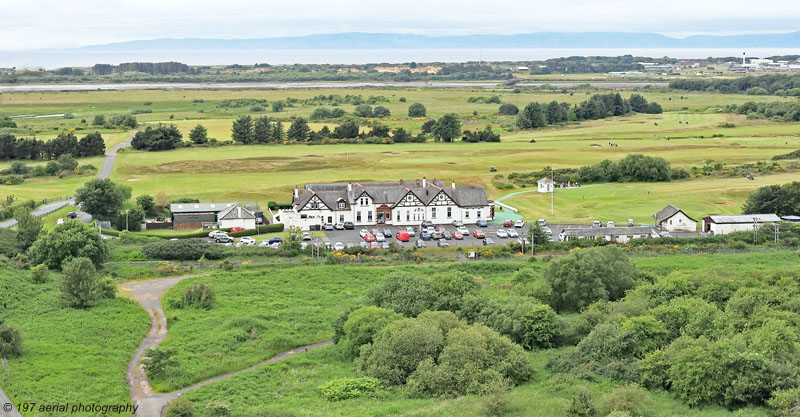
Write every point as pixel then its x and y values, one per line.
pixel 341 204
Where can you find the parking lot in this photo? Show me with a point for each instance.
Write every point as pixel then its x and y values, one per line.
pixel 353 237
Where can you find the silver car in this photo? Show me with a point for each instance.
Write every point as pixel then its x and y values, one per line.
pixel 338 246
pixel 502 233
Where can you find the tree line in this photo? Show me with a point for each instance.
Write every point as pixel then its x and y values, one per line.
pixel 777 84
pixel 598 106
pixel 775 110
pixel 12 147
pixel 632 168
pixel 154 68
pixel 783 200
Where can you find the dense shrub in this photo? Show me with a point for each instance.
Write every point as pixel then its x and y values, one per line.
pixel 39 274
pixel 182 250
pixel 79 283
pixel 403 292
pixel 417 110
pixel 508 109
pixel 785 403
pixel 197 296
pixel 783 200
pixel 361 327
pixel 10 341
pixel 180 407
pixel 632 399
pixel 68 240
pixel 346 388
pixel 157 138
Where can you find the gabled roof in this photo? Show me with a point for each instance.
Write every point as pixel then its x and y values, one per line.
pixel 668 212
pixel 390 193
pixel 235 212
pixel 743 218
pixel 545 180
pixel 199 207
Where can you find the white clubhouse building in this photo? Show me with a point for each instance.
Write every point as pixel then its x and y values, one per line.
pixel 400 203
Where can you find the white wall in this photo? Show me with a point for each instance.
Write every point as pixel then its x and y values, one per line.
pixel 246 223
pixel 679 223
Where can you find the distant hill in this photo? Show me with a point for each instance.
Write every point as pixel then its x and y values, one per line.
pixel 358 40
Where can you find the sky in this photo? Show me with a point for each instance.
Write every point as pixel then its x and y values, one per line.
pixel 37 24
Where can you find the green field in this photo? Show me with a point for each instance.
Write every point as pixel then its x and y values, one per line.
pixel 260 173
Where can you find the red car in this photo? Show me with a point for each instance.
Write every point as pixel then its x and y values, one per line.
pixel 508 223
pixel 478 234
pixel 369 237
pixel 457 236
pixel 374 245
pixel 403 236
pixel 238 229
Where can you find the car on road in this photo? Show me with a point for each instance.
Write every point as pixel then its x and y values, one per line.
pixel 328 226
pixel 212 234
pixel 442 243
pixel 237 229
pixel 457 235
pixel 507 223
pixel 512 233
pixel 247 241
pixel 501 233
pixel 463 230
pixel 421 244
pixel 488 241
pixel 457 223
pixel 402 236
pixel 369 237
pixel 482 223
pixel 429 229
pixel 223 238
pixel 338 226
pixel 519 223
pixel 411 232
pixel 338 246
pixel 597 223
pixel 425 236
pixel 542 222
pixel 363 233
pixel 387 233
pixel 274 240
pixel 72 215
pixel 379 237
pixel 349 226
pixel 477 234
pixel 306 236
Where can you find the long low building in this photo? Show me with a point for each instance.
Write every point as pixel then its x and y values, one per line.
pixel 398 203
pixel 189 216
pixel 609 234
pixel 729 223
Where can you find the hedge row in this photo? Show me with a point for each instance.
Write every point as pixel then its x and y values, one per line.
pixel 270 228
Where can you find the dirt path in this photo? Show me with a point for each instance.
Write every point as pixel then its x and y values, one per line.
pixel 148 294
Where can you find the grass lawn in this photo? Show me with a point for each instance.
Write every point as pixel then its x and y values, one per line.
pixel 69 355
pixel 50 220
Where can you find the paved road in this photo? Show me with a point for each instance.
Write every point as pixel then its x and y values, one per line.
pixel 3 401
pixel 148 294
pixel 105 171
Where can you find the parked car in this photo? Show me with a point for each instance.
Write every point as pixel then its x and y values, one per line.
pixel 457 235
pixel 425 236
pixel 247 241
pixel 597 223
pixel 542 222
pixel 512 233
pixel 610 224
pixel 429 229
pixel 369 237
pixel 223 239
pixel 508 223
pixel 665 234
pixel 457 223
pixel 463 230
pixel 276 239
pixel 306 236
pixel 519 223
pixel 482 223
pixel 436 235
pixel 477 234
pixel 374 245
pixel 379 237
pixel 387 233
pixel 350 245
pixel 72 215
pixel 385 245
pixel 338 226
pixel 547 230
pixel 501 233
pixel 654 235
pixel 410 231
pixel 349 225
pixel 338 246
pixel 303 245
pixel 237 229
pixel 212 234
pixel 363 233
pixel 328 226
pixel 403 236
pixel 421 244
pixel 442 243
pixel 265 243
pixel 276 245
pixel 427 223
pixel 363 244
pixel 488 241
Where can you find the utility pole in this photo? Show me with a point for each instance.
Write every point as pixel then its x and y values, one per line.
pixel 777 231
pixel 755 231
pixel 552 190
pixel 126 221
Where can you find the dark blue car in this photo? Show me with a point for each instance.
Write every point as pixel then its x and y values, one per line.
pixel 275 239
pixel 425 236
pixel 482 223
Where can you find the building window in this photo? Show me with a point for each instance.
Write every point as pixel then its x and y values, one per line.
pixel 358 216
pixel 479 213
pixel 441 196
pixel 408 216
pixel 449 212
pixel 341 204
pixel 433 212
pixel 466 214
pixel 369 216
pixel 341 218
pixel 398 216
pixel 409 197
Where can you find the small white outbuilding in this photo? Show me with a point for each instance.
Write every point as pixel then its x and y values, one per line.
pixel 724 224
pixel 545 185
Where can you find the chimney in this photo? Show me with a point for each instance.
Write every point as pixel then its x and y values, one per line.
pixel 453 185
pixel 349 186
pixel 424 182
